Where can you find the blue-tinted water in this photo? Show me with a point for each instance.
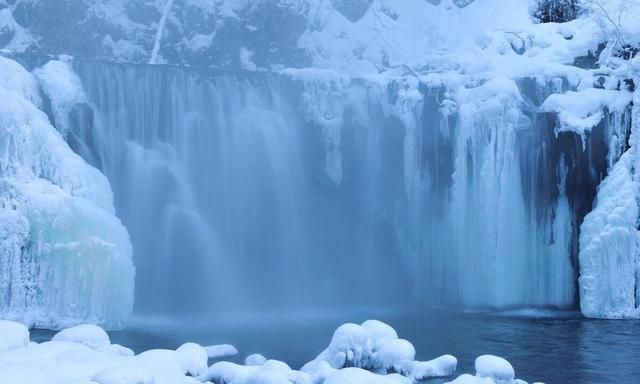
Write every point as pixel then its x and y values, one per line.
pixel 565 348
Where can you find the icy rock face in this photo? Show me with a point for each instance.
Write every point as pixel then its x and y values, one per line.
pixel 64 256
pixel 609 247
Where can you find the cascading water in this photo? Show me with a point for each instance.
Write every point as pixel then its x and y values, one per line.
pixel 258 191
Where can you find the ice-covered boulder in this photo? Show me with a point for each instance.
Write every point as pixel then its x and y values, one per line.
pixel 255 359
pixel 439 367
pixel 361 376
pixel 13 335
pixel 126 374
pixel 496 368
pixel 373 346
pixel 90 335
pixel 270 372
pixel 194 359
pixel 221 350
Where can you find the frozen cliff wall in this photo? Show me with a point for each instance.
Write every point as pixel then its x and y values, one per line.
pixel 64 256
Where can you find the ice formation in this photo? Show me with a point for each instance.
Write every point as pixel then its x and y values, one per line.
pixel 447 149
pixel 64 256
pixel 84 354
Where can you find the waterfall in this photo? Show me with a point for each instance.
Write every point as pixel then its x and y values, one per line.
pixel 260 191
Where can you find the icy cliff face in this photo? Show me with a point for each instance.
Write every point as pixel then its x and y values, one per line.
pixel 64 256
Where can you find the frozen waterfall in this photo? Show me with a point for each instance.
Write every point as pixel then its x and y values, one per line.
pixel 263 190
pixel 64 256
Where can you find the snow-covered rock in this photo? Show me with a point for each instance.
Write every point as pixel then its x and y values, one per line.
pixel 194 359
pixel 255 359
pixel 222 350
pixel 496 368
pixel 439 367
pixel 270 372
pixel 361 376
pixel 374 346
pixel 82 354
pixel 13 335
pixel 90 335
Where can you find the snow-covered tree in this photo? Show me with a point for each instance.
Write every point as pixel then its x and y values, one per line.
pixel 555 11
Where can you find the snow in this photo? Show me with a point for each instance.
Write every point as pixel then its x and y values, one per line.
pixel 64 256
pixel 193 358
pixel 81 355
pixel 439 367
pixel 609 247
pixel 496 368
pixel 13 335
pixel 255 359
pixel 90 335
pixel 222 350
pixel 582 110
pixel 64 89
pixel 372 345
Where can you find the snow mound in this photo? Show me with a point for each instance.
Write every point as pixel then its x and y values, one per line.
pixel 439 367
pixel 90 335
pixel 194 359
pixel 271 372
pixel 255 359
pixel 496 368
pixel 222 350
pixel 373 345
pixel 13 335
pixel 126 374
pixel 361 376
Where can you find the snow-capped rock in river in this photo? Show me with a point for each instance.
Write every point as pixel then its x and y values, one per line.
pixel 64 256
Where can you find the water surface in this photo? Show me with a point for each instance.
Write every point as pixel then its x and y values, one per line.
pixel 548 347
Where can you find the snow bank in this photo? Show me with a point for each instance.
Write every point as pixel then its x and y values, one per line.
pixel 92 336
pixel 13 335
pixel 609 247
pixel 271 372
pixel 83 354
pixel 64 256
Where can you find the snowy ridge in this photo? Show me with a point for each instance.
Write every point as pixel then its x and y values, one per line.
pixel 64 257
